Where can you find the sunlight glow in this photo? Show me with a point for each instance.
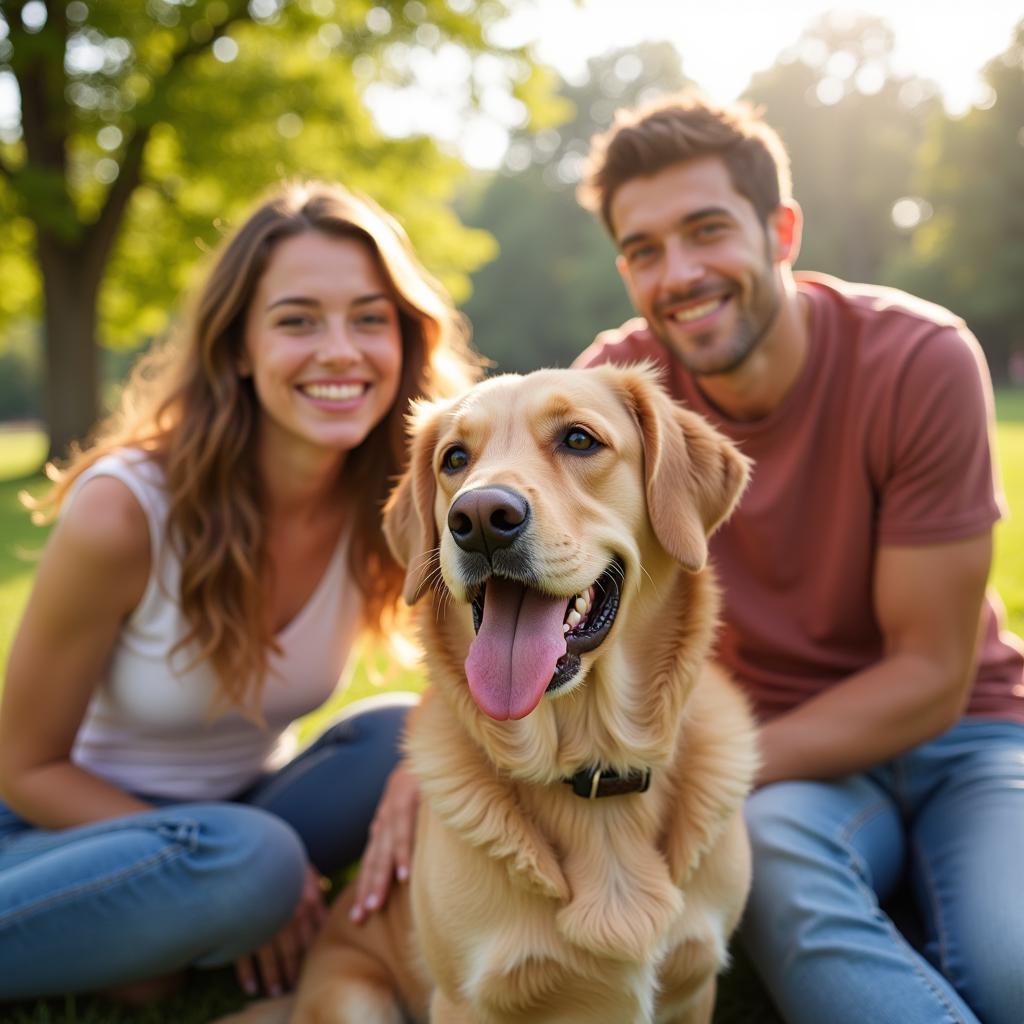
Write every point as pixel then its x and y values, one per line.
pixel 724 44
pixel 909 212
pixel 721 47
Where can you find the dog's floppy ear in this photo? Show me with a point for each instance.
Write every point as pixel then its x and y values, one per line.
pixel 409 525
pixel 693 475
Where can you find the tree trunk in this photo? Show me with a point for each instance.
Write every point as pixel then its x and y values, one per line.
pixel 71 395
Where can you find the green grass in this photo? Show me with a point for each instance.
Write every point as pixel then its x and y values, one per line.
pixel 1008 568
pixel 214 993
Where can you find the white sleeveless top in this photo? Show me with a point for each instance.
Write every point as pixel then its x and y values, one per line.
pixel 148 729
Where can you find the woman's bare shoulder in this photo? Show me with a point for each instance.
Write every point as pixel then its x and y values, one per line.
pixel 104 530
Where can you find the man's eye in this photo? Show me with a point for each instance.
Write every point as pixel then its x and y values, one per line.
pixel 640 253
pixel 710 230
pixel 455 459
pixel 579 440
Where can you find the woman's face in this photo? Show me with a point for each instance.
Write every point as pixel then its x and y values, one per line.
pixel 322 344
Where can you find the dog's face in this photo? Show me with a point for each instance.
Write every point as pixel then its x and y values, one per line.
pixel 537 501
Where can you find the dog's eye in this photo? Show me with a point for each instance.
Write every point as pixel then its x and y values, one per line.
pixel 455 459
pixel 578 440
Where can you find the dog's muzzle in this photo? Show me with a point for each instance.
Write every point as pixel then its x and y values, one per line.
pixel 529 640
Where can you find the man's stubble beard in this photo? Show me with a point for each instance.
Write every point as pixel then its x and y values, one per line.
pixel 751 329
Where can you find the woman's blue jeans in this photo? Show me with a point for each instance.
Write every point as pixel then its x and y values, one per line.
pixel 947 821
pixel 188 884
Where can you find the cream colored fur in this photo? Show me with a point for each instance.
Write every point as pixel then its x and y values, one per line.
pixel 528 904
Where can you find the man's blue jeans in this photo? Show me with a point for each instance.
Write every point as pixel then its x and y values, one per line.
pixel 187 884
pixel 946 820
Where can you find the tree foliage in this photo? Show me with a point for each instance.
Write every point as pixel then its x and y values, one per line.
pixel 553 284
pixel 145 126
pixel 852 127
pixel 969 254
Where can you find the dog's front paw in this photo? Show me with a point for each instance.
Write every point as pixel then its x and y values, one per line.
pixel 623 916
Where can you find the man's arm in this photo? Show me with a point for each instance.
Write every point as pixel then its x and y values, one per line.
pixel 927 600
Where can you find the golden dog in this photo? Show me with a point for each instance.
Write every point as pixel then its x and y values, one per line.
pixel 580 851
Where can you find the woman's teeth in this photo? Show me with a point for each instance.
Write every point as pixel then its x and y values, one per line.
pixel 333 392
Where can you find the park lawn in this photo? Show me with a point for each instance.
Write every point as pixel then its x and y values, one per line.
pixel 1008 568
pixel 214 993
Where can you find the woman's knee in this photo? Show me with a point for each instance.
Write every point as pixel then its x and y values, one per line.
pixel 248 845
pixel 376 722
pixel 249 867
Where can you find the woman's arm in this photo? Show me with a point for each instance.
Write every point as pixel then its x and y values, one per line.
pixel 92 575
pixel 388 853
pixel 927 601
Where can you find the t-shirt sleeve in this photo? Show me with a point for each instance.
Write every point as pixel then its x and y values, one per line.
pixel 941 482
pixel 633 343
pixel 594 354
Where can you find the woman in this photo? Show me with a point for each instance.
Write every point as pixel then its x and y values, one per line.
pixel 217 555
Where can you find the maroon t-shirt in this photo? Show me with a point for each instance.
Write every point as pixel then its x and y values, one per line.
pixel 884 439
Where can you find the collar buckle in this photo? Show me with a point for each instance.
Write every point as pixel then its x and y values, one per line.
pixel 595 782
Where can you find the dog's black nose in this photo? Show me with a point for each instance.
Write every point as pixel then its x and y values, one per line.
pixel 488 518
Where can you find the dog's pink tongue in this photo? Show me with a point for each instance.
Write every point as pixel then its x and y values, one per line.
pixel 513 657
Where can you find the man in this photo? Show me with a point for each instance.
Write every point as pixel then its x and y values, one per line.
pixel 854 572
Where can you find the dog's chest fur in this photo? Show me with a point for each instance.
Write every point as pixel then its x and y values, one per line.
pixel 573 901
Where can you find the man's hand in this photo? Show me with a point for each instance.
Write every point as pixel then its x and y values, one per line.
pixel 277 963
pixel 388 853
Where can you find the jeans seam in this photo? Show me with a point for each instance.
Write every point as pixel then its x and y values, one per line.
pixel 42 839
pixel 850 828
pixel 171 850
pixel 912 957
pixel 872 811
pixel 909 954
pixel 928 880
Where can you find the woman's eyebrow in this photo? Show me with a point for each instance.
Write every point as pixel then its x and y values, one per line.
pixel 372 297
pixel 305 300
pixel 293 300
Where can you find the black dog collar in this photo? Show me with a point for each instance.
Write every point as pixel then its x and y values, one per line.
pixel 593 782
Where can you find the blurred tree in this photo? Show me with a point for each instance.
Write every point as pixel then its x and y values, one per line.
pixel 128 127
pixel 554 285
pixel 969 254
pixel 19 374
pixel 852 127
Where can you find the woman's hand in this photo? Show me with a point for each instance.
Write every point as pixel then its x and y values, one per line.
pixel 388 853
pixel 276 964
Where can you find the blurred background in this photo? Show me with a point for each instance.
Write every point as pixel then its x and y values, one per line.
pixel 134 132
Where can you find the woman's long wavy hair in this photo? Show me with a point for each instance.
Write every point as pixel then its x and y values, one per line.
pixel 187 405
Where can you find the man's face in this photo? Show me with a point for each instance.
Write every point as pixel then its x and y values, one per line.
pixel 698 263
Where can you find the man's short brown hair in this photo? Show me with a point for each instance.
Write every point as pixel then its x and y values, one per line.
pixel 646 140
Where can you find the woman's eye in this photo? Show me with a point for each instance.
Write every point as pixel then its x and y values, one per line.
pixel 455 459
pixel 579 440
